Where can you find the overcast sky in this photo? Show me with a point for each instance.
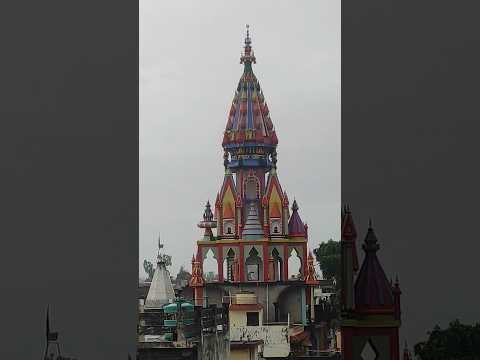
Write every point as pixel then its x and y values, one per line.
pixel 189 69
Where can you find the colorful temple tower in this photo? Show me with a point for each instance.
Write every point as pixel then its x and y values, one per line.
pixel 256 233
pixel 370 302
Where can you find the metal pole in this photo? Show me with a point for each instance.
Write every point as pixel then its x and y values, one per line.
pixel 268 304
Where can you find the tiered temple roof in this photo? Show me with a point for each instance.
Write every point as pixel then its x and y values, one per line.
pixel 249 118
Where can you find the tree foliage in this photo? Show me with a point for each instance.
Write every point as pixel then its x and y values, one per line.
pixel 149 269
pixel 328 256
pixel 456 342
pixel 183 275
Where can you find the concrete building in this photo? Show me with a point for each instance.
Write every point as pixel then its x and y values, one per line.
pixel 250 338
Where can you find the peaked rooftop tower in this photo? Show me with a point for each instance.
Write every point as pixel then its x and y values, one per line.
pixel 249 129
pixel 372 288
pixel 370 324
pixel 161 289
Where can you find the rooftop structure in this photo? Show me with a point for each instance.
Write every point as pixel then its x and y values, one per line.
pixel 161 289
pixel 370 302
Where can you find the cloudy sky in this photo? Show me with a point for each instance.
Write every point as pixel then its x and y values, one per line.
pixel 189 69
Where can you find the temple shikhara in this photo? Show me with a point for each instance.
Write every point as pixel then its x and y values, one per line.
pixel 252 230
pixel 256 232
pixel 253 291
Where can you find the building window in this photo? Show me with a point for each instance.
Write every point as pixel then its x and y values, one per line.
pixel 252 319
pixel 229 261
pixel 277 266
pixel 253 266
pixel 252 272
pixel 275 227
pixel 228 227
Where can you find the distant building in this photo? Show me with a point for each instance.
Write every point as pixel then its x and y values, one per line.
pixel 171 327
pixel 250 338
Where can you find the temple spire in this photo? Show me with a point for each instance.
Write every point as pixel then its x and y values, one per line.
pixel 371 242
pixel 349 257
pixel 161 290
pixel 253 229
pixel 208 222
pixel 249 139
pixel 295 224
pixel 248 56
pixel 372 288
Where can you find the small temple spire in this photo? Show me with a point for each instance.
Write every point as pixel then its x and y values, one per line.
pixel 349 257
pixel 295 205
pixel 371 242
pixel 161 289
pixel 208 215
pixel 208 222
pixel 253 229
pixel 372 287
pixel 295 224
pixel 197 277
pixel 248 57
pixel 162 258
pixel 160 245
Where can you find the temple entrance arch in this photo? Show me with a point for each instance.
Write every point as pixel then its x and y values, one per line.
pixel 228 265
pixel 253 266
pixel 294 265
pixel 277 270
pixel 210 266
pixel 251 188
pixel 290 303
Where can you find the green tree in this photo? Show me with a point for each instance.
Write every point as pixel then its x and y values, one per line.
pixel 183 276
pixel 149 270
pixel 456 342
pixel 328 256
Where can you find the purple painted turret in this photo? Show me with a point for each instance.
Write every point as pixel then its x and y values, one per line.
pixel 295 224
pixel 373 291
